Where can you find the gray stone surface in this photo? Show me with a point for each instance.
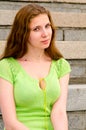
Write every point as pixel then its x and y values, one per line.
pixel 76 97
pixel 75 35
pixel 77 120
pixel 4 32
pixel 59 35
pixel 50 5
pixel 66 1
pixel 78 68
pixel 1 124
pixel 72 49
pixel 78 73
pixel 61 19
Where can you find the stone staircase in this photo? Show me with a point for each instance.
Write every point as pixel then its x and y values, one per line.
pixel 70 20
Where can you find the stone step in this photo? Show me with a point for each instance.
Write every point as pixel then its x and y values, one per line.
pixel 72 49
pixel 66 47
pixel 76 97
pixel 51 5
pixel 63 1
pixel 66 1
pixel 61 19
pixel 77 120
pixel 65 19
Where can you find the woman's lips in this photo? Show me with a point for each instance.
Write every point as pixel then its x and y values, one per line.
pixel 45 41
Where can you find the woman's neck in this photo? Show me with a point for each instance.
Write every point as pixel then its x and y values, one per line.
pixel 33 56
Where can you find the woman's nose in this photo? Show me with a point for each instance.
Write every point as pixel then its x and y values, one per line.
pixel 44 33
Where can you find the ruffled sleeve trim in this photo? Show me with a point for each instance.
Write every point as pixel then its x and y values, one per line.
pixel 62 67
pixel 5 70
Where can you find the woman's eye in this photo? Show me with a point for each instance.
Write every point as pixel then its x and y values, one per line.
pixel 48 26
pixel 36 29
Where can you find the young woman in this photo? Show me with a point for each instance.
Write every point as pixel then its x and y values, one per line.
pixel 34 75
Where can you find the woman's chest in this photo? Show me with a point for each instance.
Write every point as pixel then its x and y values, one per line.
pixel 28 92
pixel 36 70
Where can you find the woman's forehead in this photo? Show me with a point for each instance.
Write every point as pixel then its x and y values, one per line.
pixel 39 19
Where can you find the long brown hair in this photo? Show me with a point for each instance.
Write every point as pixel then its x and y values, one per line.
pixel 17 40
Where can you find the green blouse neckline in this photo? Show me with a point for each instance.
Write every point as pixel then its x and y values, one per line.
pixel 28 75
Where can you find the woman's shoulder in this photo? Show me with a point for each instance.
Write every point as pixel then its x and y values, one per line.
pixel 5 70
pixel 5 60
pixel 5 63
pixel 61 61
pixel 62 66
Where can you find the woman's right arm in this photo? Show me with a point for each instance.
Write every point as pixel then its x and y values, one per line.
pixel 7 106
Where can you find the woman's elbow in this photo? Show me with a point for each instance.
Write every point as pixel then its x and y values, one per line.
pixel 58 113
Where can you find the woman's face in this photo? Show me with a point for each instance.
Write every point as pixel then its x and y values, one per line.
pixel 40 32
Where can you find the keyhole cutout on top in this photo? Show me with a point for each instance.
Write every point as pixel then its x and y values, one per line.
pixel 42 83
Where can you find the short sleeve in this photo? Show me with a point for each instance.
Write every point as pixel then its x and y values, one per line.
pixel 5 71
pixel 63 67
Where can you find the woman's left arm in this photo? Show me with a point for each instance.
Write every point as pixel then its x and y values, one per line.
pixel 58 114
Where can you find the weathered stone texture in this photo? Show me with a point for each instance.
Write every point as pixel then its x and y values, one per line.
pixel 77 120
pixel 76 97
pixel 59 34
pixel 72 49
pixel 61 19
pixel 1 124
pixel 75 35
pixel 4 32
pixel 50 5
pixel 78 73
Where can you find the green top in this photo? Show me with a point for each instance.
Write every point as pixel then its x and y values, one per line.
pixel 33 104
